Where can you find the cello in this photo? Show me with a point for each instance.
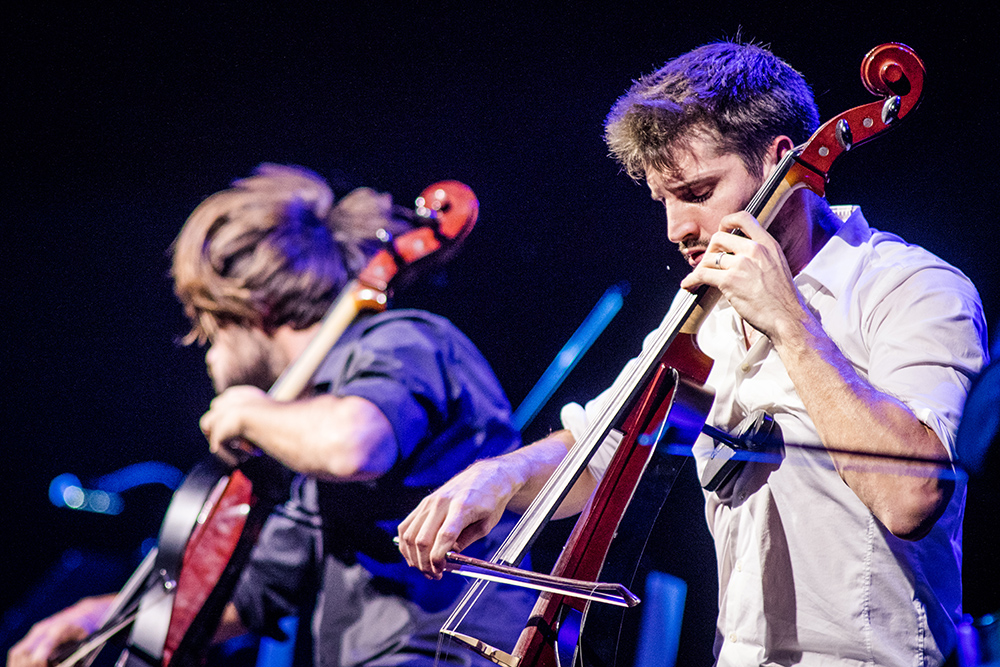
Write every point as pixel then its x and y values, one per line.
pixel 174 601
pixel 665 390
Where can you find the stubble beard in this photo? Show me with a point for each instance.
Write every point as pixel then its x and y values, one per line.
pixel 258 364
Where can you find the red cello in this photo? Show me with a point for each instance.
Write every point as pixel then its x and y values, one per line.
pixel 668 381
pixel 175 599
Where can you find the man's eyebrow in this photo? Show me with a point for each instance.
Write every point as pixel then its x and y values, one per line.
pixel 687 184
pixel 698 179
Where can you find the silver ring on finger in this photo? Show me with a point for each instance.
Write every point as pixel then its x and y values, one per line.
pixel 718 260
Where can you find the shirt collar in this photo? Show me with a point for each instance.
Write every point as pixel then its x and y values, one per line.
pixel 832 267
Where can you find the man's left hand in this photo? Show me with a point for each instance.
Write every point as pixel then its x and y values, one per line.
pixel 752 273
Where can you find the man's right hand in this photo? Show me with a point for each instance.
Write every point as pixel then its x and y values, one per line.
pixel 465 509
pixel 72 624
pixel 468 506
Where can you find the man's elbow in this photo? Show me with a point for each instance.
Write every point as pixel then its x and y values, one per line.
pixel 360 466
pixel 358 445
pixel 915 516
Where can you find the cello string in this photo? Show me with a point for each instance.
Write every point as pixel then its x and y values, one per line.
pixel 595 323
pixel 86 651
pixel 625 385
pixel 572 465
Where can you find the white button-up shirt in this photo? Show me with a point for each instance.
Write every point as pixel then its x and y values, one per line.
pixel 807 575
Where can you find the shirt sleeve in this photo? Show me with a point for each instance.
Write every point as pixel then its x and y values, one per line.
pixel 398 365
pixel 926 353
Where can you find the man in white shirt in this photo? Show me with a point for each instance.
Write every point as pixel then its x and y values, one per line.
pixel 851 339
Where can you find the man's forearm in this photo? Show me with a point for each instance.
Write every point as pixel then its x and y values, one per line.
pixel 850 414
pixel 536 463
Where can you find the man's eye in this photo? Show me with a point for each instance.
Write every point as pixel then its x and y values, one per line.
pixel 697 198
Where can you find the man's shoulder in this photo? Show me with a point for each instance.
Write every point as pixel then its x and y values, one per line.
pixel 394 321
pixel 886 258
pixel 395 315
pixel 413 330
pixel 902 262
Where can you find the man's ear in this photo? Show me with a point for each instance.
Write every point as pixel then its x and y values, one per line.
pixel 779 146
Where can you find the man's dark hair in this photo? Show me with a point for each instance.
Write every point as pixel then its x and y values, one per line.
pixel 274 249
pixel 740 96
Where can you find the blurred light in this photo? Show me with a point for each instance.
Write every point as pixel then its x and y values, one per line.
pixel 138 474
pixel 74 497
pixel 147 545
pixel 596 321
pixel 66 490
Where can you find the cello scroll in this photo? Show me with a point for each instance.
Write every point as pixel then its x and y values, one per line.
pixel 892 71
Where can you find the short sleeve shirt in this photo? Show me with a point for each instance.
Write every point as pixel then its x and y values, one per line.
pixel 807 575
pixel 328 552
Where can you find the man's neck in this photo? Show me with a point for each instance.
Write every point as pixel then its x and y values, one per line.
pixel 806 224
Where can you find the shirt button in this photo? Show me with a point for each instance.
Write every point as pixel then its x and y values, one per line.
pixel 745 367
pixel 739 566
pixel 732 637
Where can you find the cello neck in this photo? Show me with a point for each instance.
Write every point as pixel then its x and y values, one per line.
pixel 354 299
pixel 685 318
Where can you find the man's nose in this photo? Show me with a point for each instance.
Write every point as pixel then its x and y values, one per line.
pixel 682 224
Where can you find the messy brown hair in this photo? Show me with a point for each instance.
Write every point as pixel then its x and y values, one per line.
pixel 273 249
pixel 741 96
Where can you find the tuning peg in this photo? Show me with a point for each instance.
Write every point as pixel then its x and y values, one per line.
pixel 844 136
pixel 890 110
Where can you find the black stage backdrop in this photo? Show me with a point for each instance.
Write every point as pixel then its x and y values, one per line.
pixel 121 120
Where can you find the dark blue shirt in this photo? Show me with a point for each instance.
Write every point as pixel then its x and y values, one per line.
pixel 327 554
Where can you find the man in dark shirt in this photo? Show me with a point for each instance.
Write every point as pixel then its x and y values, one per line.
pixel 403 402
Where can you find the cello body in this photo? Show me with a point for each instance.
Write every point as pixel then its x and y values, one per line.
pixel 632 493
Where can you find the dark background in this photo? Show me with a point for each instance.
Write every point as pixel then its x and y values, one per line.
pixel 121 121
